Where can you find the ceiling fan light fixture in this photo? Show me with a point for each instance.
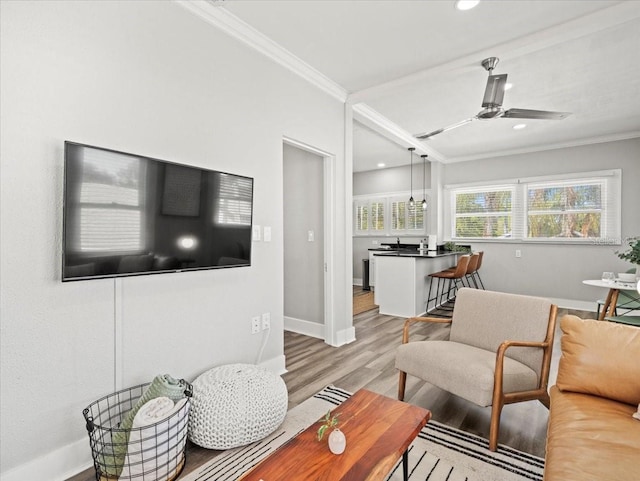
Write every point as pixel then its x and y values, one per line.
pixel 466 4
pixel 519 126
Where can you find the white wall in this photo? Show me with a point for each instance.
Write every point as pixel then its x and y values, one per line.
pixel 303 259
pixel 145 77
pixel 556 271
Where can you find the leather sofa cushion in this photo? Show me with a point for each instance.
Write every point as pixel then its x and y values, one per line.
pixel 591 438
pixel 600 358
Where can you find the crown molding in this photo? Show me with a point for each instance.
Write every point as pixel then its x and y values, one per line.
pixel 390 130
pixel 221 18
pixel 560 145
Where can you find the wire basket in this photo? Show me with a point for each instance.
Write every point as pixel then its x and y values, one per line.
pixel 154 452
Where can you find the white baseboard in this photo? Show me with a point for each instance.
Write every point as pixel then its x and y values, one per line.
pixel 357 282
pixel 74 458
pixel 58 465
pixel 574 304
pixel 346 336
pixel 308 328
pixel 276 364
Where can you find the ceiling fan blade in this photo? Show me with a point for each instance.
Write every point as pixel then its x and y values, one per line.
pixel 534 114
pixel 444 129
pixel 494 92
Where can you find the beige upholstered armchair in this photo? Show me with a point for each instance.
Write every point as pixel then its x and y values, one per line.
pixel 498 352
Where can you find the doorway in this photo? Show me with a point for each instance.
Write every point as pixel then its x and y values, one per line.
pixel 304 241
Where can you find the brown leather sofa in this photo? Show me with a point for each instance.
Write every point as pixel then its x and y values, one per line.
pixel 592 434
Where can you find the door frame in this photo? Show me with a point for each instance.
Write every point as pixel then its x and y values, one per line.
pixel 329 169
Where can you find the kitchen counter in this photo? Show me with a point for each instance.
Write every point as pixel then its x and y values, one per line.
pixel 402 279
pixel 411 253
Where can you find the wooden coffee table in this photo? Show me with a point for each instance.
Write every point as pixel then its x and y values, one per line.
pixel 379 431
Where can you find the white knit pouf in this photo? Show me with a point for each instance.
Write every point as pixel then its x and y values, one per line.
pixel 236 404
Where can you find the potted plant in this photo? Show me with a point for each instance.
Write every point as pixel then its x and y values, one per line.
pixel 633 253
pixel 337 440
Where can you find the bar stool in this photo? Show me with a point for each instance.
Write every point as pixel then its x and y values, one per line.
pixel 476 274
pixel 472 269
pixel 454 277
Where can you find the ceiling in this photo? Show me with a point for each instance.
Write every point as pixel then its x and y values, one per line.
pixel 414 66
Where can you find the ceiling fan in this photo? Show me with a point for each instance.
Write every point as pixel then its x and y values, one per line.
pixel 492 103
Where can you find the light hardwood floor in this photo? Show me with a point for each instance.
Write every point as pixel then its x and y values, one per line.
pixel 369 363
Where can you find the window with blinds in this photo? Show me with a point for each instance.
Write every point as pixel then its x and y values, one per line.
pixel 361 217
pixel 377 216
pixel 388 215
pixel 485 212
pixel 405 217
pixel 565 209
pixel 576 207
pixel 234 202
pixel 111 200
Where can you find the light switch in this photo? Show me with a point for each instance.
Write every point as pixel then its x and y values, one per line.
pixel 311 236
pixel 256 232
pixel 267 233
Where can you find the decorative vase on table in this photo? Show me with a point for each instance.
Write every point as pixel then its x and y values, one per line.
pixel 337 441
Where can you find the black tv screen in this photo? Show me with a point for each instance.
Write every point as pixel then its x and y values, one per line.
pixel 127 214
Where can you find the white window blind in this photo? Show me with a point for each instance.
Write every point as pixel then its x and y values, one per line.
pixel 404 217
pixel 361 217
pixel 377 216
pixel 483 212
pixel 388 215
pixel 398 215
pixel 566 208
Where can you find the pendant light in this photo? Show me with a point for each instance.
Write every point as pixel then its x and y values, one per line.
pixel 424 176
pixel 411 202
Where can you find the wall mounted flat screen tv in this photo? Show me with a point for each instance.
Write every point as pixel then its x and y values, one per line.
pixel 127 214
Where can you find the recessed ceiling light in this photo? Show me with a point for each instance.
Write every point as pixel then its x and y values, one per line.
pixel 466 4
pixel 508 85
pixel 381 165
pixel 519 126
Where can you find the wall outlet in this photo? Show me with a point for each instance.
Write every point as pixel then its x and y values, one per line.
pixel 518 253
pixel 255 324
pixel 266 320
pixel 311 236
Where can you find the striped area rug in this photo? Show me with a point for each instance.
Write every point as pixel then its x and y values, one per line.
pixel 439 453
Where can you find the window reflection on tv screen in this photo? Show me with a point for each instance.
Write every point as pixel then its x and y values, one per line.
pixel 126 214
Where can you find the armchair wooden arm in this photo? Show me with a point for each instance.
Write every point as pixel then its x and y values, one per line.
pixel 500 355
pixel 413 320
pixel 501 398
pixel 405 339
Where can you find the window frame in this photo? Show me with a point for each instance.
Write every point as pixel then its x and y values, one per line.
pixel 610 219
pixel 387 200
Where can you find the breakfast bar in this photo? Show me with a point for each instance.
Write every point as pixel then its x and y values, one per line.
pixel 401 279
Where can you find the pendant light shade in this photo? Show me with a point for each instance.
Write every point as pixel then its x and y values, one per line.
pixel 411 202
pixel 424 176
